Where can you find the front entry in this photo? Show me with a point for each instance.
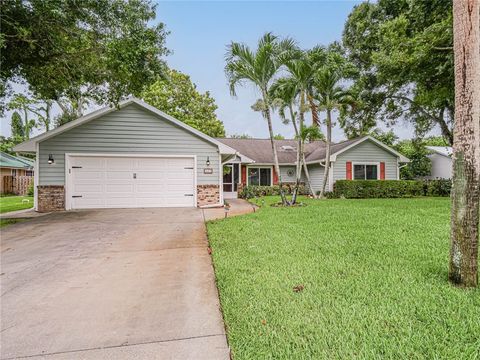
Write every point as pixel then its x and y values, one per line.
pixel 230 180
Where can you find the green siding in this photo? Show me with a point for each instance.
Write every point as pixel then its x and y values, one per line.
pixel 130 130
pixel 316 176
pixel 369 152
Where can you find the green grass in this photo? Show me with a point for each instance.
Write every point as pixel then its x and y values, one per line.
pixel 375 282
pixel 5 222
pixel 12 203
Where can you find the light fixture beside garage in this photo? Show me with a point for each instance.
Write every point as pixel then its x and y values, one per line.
pixel 208 160
pixel 51 160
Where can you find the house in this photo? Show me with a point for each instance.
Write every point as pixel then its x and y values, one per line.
pixel 441 158
pixel 363 158
pixel 14 166
pixel 137 156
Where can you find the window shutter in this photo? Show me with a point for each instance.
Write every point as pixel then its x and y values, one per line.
pixel 244 175
pixel 275 176
pixel 349 170
pixel 382 171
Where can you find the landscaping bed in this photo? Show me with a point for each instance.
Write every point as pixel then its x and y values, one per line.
pixel 340 279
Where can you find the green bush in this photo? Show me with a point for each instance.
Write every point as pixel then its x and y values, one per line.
pixel 30 190
pixel 359 189
pixel 252 191
pixel 438 187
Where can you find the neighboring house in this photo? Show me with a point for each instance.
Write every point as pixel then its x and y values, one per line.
pixel 14 166
pixel 137 156
pixel 441 158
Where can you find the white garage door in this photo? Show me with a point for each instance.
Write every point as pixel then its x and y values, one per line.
pixel 129 182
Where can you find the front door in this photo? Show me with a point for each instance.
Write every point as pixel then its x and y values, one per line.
pixel 230 180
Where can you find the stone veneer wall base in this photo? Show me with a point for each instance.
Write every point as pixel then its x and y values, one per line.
pixel 208 195
pixel 50 198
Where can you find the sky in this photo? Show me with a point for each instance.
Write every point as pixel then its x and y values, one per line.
pixel 200 32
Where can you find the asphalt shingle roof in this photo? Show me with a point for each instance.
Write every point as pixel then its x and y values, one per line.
pixel 260 150
pixel 16 162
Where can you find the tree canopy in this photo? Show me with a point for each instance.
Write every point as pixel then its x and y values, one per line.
pixel 72 51
pixel 178 96
pixel 403 50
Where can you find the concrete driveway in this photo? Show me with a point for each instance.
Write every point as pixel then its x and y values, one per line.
pixel 110 284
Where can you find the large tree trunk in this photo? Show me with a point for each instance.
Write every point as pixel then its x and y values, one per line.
pixel 274 149
pixel 327 155
pixel 466 146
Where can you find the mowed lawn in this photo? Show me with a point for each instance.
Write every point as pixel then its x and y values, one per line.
pixel 374 278
pixel 12 203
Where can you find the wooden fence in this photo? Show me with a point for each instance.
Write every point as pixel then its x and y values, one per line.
pixel 17 185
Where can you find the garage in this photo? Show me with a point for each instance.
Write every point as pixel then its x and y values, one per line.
pixel 128 156
pixel 116 181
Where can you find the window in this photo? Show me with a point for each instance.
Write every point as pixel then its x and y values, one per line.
pixel 365 171
pixel 29 173
pixel 260 176
pixel 14 172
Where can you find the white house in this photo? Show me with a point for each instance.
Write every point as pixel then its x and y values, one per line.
pixel 441 158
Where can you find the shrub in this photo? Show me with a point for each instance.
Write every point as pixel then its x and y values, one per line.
pixel 438 187
pixel 390 188
pixel 30 190
pixel 251 191
pixel 378 188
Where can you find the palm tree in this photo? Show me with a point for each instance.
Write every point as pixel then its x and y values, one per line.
pixel 284 93
pixel 260 68
pixel 330 96
pixel 301 67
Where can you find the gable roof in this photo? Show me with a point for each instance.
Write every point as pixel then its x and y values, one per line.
pixel 30 145
pixel 441 150
pixel 355 142
pixel 15 162
pixel 260 150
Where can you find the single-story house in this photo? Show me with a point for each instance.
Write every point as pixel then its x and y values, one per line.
pixel 11 165
pixel 135 155
pixel 441 159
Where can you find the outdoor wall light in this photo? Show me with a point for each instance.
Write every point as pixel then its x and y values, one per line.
pixel 51 160
pixel 208 160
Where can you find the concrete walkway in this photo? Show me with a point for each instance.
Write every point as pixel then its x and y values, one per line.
pixel 236 207
pixel 22 214
pixel 110 284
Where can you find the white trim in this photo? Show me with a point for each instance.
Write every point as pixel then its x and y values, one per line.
pixel 220 178
pixel 68 178
pixel 377 163
pixel 260 167
pixel 29 146
pixel 36 176
pixel 379 143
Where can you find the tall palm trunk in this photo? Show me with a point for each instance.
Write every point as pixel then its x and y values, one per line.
pixel 298 169
pixel 466 147
pixel 307 176
pixel 327 155
pixel 274 149
pixel 314 110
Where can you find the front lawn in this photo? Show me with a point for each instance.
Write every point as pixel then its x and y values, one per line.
pixel 374 280
pixel 12 203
